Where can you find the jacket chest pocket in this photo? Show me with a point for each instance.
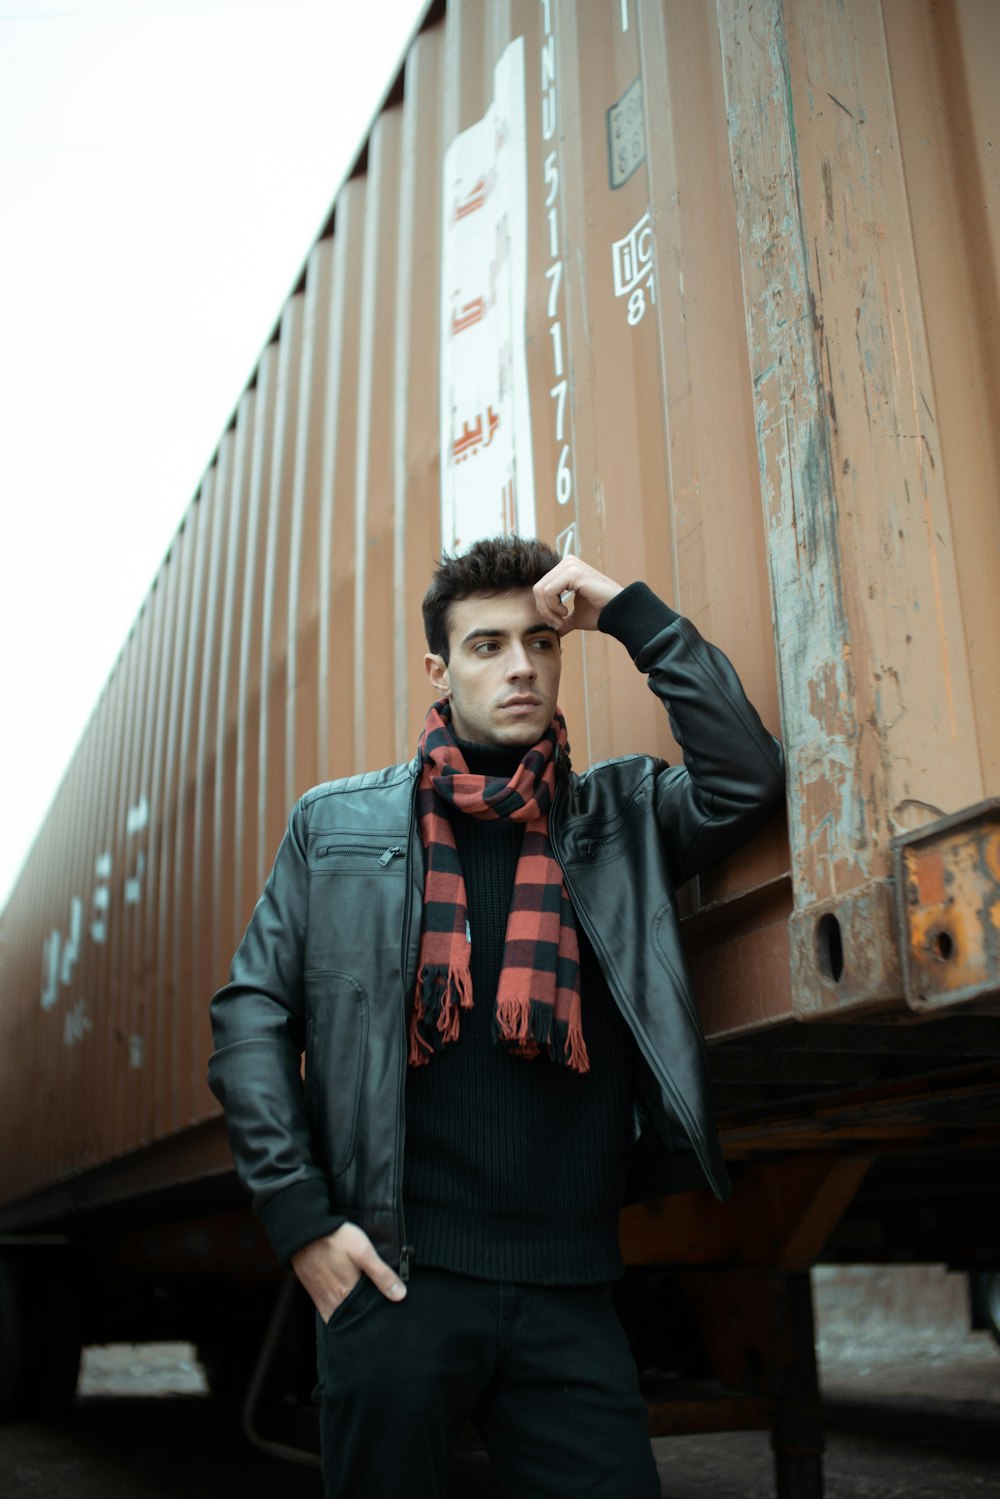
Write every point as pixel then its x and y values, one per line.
pixel 336 1048
pixel 363 854
pixel 598 845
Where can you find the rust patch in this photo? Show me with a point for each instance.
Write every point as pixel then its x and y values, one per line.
pixel 930 880
pixel 948 883
pixel 991 854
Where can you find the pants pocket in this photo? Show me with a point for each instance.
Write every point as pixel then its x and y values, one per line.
pixel 341 1341
pixel 354 1294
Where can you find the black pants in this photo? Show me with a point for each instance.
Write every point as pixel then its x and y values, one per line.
pixel 544 1373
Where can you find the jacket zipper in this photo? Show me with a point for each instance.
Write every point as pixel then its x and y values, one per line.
pixel 405 1250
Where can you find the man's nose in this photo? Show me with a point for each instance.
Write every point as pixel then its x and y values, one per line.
pixel 520 663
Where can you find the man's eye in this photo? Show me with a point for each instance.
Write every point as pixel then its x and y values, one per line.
pixel 543 643
pixel 486 647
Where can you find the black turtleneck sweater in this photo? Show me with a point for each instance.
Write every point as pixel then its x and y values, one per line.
pixel 514 1169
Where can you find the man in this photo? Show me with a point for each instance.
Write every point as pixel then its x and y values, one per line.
pixel 478 954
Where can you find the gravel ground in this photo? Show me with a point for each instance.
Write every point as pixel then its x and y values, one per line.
pixel 900 1424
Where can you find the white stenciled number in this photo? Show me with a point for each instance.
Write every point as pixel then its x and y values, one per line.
pixel 564 478
pixel 637 301
pixel 551 177
pixel 558 394
pixel 553 275
pixel 136 820
pixel 555 333
pixel 566 541
pixel 71 944
pixel 61 950
pixel 101 898
pixel 76 1024
pixel 51 949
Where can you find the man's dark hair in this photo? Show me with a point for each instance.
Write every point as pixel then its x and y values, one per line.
pixel 497 564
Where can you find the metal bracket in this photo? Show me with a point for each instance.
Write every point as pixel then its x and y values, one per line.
pixel 927 938
pixel 843 954
pixel 947 879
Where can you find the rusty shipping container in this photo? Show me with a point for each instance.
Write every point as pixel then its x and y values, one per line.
pixel 706 291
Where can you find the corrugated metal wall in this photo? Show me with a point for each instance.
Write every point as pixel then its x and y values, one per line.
pixel 762 251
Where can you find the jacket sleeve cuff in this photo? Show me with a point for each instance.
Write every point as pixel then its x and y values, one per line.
pixel 634 616
pixel 297 1216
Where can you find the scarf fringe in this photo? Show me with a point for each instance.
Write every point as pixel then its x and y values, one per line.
pixel 527 1027
pixel 441 993
pixel 578 1060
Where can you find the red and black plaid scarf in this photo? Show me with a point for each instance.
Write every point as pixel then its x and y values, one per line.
pixel 538 998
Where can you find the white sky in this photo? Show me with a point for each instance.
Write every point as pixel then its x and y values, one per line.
pixel 164 168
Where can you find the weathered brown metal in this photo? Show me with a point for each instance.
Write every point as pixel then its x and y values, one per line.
pixel 960 1106
pixel 707 1412
pixel 761 278
pixel 781 1214
pixel 855 130
pixel 191 1157
pixel 948 885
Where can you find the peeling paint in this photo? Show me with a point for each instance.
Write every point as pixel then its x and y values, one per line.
pixel 791 422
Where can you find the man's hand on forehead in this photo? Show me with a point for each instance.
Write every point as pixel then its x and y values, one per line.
pixel 572 595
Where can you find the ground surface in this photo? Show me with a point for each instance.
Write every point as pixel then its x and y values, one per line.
pixel 912 1406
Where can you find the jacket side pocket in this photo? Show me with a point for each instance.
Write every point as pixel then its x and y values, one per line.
pixel 336 1045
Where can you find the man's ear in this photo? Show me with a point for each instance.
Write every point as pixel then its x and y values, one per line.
pixel 437 674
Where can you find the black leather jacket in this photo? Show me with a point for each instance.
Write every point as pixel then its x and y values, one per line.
pixel 328 963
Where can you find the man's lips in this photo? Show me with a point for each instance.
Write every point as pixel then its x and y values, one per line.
pixel 522 703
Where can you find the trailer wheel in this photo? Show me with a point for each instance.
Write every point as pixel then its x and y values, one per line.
pixel 13 1341
pixel 52 1358
pixel 227 1369
pixel 228 1354
pixel 39 1338
pixel 986 1300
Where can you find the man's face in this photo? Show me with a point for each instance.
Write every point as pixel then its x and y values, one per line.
pixel 502 675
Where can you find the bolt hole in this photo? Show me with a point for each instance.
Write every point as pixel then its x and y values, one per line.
pixel 943 946
pixel 830 948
